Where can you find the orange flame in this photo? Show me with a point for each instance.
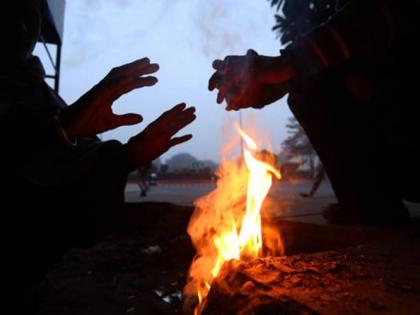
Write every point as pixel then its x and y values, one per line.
pixel 219 228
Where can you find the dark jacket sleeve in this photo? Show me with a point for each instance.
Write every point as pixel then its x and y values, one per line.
pixel 54 196
pixel 360 28
pixel 35 148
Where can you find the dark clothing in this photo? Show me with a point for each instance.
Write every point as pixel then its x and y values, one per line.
pixel 380 29
pixel 143 175
pixel 54 196
pixel 358 104
pixel 347 139
pixel 369 149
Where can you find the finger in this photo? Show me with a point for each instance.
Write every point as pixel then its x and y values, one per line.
pixel 217 64
pixel 221 95
pixel 233 94
pixel 189 111
pixel 185 122
pixel 180 122
pixel 231 107
pixel 179 140
pixel 134 66
pixel 145 81
pixel 137 83
pixel 127 119
pixel 239 103
pixel 232 103
pixel 177 108
pixel 152 68
pixel 215 81
pixel 134 81
pixel 169 114
pixel 185 113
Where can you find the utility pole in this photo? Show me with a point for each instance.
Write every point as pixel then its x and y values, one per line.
pixel 242 139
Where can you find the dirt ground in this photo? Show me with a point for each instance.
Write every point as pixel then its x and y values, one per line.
pixel 381 278
pixel 144 270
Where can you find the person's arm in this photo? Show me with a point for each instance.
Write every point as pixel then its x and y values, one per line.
pixel 27 119
pixel 360 28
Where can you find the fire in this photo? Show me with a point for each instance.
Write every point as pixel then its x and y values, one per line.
pixel 226 224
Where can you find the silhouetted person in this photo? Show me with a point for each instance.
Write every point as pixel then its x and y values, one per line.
pixel 317 180
pixel 143 175
pixel 351 89
pixel 60 185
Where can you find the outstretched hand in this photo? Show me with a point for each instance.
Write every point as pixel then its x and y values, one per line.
pixel 158 137
pixel 92 113
pixel 250 80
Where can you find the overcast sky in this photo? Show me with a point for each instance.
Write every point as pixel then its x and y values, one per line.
pixel 184 37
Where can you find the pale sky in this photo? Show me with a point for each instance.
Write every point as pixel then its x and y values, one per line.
pixel 184 37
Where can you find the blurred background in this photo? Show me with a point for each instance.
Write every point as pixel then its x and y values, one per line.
pixel 184 37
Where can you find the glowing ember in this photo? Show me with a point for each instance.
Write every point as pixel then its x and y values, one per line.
pixel 226 224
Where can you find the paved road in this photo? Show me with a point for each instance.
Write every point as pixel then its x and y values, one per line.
pixel 283 201
pixel 187 192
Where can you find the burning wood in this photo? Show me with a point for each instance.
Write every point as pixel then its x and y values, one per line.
pixel 260 286
pixel 226 225
pixel 356 280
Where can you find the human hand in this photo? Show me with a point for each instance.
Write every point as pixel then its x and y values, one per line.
pixel 250 81
pixel 158 138
pixel 92 113
pixel 256 97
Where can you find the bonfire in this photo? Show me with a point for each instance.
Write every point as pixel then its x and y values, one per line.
pixel 226 226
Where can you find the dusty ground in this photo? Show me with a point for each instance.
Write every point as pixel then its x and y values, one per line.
pixel 143 271
pixel 381 278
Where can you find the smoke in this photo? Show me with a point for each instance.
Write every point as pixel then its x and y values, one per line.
pixel 215 28
pixel 88 23
pixel 217 34
pixel 99 3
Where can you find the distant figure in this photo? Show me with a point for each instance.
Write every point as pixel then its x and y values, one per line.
pixel 143 176
pixel 61 186
pixel 317 180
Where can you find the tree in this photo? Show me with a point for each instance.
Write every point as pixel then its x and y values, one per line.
pixel 298 144
pixel 297 17
pixel 181 162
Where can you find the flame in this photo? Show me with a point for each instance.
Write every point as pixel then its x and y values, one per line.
pixel 226 224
